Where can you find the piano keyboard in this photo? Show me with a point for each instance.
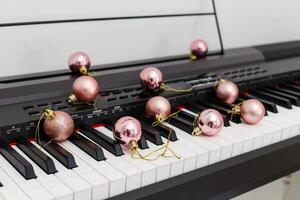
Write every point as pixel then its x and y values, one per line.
pixel 92 165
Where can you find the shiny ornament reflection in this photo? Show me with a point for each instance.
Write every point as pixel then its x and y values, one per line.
pixel 58 125
pixel 85 89
pixel 79 62
pixel 128 130
pixel 210 122
pixel 151 78
pixel 158 108
pixel 198 49
pixel 252 111
pixel 227 91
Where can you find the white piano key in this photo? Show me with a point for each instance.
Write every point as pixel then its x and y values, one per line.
pixel 98 182
pixel 117 180
pixel 81 189
pixel 49 181
pixel 31 187
pixel 214 150
pixel 237 143
pixel 9 190
pixel 148 169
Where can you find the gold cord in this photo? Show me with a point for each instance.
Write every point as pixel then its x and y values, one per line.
pixel 193 57
pixel 196 130
pixel 168 88
pixel 236 110
pixel 50 114
pixel 160 118
pixel 74 101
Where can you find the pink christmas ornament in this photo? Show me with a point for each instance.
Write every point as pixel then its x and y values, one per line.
pixel 252 111
pixel 199 49
pixel 79 62
pixel 151 78
pixel 210 122
pixel 158 107
pixel 85 89
pixel 227 91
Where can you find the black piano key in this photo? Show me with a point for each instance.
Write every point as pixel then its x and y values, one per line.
pixel 281 101
pixel 268 105
pixel 222 109
pixel 101 139
pixel 87 146
pixel 151 134
pixel 289 91
pixel 36 155
pixel 59 153
pixel 294 100
pixel 161 128
pixel 17 161
pixel 183 122
pixel 1 185
pixel 142 143
pixel 290 86
pixel 196 108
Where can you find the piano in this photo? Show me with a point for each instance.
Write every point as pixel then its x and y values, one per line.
pixel 92 165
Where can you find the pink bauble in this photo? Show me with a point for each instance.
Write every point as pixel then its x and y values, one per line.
pixel 86 88
pixel 158 107
pixel 151 78
pixel 127 129
pixel 60 127
pixel 79 60
pixel 199 49
pixel 252 111
pixel 210 122
pixel 227 91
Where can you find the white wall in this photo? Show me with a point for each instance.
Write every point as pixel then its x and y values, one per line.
pixel 46 47
pixel 252 22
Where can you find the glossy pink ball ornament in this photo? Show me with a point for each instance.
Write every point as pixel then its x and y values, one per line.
pixel 128 130
pixel 199 49
pixel 79 62
pixel 58 125
pixel 85 89
pixel 158 108
pixel 210 122
pixel 252 111
pixel 151 78
pixel 227 91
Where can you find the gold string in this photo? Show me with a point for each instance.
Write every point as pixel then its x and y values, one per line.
pixel 168 88
pixel 160 119
pixel 236 110
pixel 74 101
pixel 193 57
pixel 49 113
pixel 196 130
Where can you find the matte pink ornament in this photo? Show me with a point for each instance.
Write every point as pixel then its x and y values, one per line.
pixel 210 122
pixel 252 111
pixel 158 107
pixel 79 62
pixel 151 78
pixel 227 91
pixel 86 89
pixel 199 49
pixel 127 130
pixel 58 125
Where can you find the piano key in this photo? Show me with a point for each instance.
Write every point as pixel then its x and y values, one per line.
pixel 196 108
pixel 291 86
pixel 109 144
pixel 294 100
pixel 288 91
pixel 161 128
pixel 148 169
pixel 30 187
pixel 17 161
pixel 36 155
pixel 117 181
pixel 268 105
pixel 151 134
pixel 133 174
pixel 99 184
pixel 49 181
pixel 87 146
pixel 59 153
pixel 9 190
pixel 80 188
pixel 142 142
pixel 273 98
